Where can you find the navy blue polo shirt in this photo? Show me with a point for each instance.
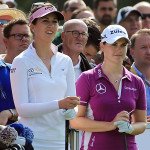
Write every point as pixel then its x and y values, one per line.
pixel 6 98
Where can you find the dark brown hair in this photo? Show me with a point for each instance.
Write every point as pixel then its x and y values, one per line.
pixel 8 27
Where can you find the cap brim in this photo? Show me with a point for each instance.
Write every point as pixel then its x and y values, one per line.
pixel 13 13
pixel 133 11
pixel 113 40
pixel 58 14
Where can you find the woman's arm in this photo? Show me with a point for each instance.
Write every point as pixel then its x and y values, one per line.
pixel 81 122
pixel 139 122
pixel 19 84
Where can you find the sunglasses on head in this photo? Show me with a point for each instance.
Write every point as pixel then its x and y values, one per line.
pixel 144 16
pixel 2 22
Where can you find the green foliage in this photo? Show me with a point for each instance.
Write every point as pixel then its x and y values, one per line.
pixel 25 5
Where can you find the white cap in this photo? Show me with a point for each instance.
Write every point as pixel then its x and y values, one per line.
pixel 112 33
pixel 124 12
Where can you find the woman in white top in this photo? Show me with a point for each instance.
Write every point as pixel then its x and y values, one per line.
pixel 43 82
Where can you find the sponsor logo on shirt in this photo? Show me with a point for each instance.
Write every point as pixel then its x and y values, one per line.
pixel 12 70
pixel 100 88
pixel 34 71
pixel 130 88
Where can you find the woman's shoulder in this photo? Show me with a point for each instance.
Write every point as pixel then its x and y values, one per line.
pixel 133 77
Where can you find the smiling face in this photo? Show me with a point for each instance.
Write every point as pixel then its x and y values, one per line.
pixel 70 39
pixel 45 28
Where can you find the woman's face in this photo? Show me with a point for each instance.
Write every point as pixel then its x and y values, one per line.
pixel 115 52
pixel 45 27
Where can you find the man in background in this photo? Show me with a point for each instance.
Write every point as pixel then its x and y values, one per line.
pixel 105 12
pixel 7 14
pixel 17 39
pixel 130 19
pixel 69 7
pixel 140 50
pixel 144 8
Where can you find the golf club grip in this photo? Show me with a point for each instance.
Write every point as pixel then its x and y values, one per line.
pixel 66 134
pixel 125 141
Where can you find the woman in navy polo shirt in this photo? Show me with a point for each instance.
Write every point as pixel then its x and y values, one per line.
pixel 112 106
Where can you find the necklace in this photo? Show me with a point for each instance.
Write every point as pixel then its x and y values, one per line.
pixel 116 81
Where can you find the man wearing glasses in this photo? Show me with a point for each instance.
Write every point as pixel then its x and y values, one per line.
pixel 144 8
pixel 6 15
pixel 17 39
pixel 105 12
pixel 74 37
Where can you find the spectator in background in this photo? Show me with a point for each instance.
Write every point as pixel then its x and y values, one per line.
pixel 69 7
pixel 140 50
pixel 37 75
pixel 105 12
pixel 130 19
pixel 83 13
pixel 7 14
pixel 74 37
pixel 10 3
pixel 144 8
pixel 92 46
pixel 112 106
pixel 17 39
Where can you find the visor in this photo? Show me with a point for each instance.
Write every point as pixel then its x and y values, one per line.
pixel 41 12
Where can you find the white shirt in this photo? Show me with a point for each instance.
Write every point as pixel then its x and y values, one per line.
pixel 36 92
pixel 77 69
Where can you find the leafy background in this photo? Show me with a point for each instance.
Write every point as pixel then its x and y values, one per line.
pixel 26 4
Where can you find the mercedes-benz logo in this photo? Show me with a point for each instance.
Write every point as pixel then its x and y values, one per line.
pixel 100 88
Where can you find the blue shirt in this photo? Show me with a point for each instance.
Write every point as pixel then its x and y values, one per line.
pixel 6 98
pixel 147 86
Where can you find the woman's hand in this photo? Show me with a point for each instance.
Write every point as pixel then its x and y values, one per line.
pixel 69 102
pixel 4 116
pixel 148 118
pixel 122 116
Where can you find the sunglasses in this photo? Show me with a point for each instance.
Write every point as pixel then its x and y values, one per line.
pixel 2 22
pixel 144 16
